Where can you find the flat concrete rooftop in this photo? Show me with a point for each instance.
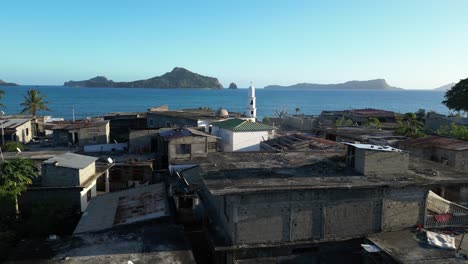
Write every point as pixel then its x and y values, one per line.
pixel 249 172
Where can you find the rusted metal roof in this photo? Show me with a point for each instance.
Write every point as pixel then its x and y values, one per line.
pixel 436 142
pixel 78 124
pixel 299 142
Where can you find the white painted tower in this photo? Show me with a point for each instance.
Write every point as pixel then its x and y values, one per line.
pixel 251 104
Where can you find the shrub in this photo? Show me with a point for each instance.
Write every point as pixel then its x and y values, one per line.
pixel 12 145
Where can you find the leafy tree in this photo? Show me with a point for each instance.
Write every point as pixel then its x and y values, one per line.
pixel 33 102
pixel 410 126
pixel 12 145
pixel 457 98
pixel 344 122
pixel 454 130
pixel 297 110
pixel 421 114
pixel 266 120
pixel 374 122
pixel 15 175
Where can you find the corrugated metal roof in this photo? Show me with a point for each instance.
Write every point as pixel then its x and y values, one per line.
pixel 183 132
pixel 437 142
pixel 240 125
pixel 374 147
pixel 78 124
pixel 13 122
pixel 72 160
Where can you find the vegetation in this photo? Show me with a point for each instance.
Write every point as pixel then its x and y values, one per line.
pixel 344 122
pixel 12 145
pixel 280 112
pixel 266 120
pixel 457 98
pixel 33 102
pixel 454 130
pixel 15 175
pixel 421 114
pixel 297 110
pixel 409 126
pixel 374 123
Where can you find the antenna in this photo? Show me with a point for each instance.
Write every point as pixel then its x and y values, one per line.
pixel 73 113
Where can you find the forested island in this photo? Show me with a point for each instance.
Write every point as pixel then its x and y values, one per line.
pixel 3 83
pixel 377 84
pixel 177 78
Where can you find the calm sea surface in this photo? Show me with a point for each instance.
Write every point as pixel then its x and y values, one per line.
pixel 98 101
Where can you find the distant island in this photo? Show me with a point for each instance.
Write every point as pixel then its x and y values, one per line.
pixel 3 83
pixel 377 84
pixel 232 86
pixel 445 87
pixel 177 78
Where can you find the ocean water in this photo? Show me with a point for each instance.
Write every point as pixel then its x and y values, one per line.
pixel 98 101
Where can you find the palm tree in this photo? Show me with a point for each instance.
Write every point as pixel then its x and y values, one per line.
pixel 33 102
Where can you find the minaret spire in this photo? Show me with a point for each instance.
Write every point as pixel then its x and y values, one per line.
pixel 251 102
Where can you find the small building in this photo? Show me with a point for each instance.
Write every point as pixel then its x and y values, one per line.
pixel 183 144
pixel 69 179
pixel 201 117
pixel 448 151
pixel 370 160
pixel 16 129
pixel 80 133
pixel 122 122
pixel 241 135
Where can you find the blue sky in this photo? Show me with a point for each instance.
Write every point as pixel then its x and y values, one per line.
pixel 412 44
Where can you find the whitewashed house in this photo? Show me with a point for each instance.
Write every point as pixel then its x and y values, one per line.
pixel 240 135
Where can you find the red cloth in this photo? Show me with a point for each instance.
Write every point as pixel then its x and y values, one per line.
pixel 443 217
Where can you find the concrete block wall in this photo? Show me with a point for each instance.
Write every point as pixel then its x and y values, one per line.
pixel 87 173
pixel 305 216
pixel 199 147
pixel 55 176
pixel 156 120
pixel 371 162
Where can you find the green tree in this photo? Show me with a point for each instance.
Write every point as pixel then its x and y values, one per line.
pixel 457 98
pixel 15 175
pixel 297 110
pixel 374 122
pixel 33 102
pixel 410 126
pixel 344 122
pixel 454 130
pixel 421 114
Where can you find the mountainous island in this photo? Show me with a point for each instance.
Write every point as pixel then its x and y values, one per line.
pixel 3 83
pixel 177 78
pixel 232 86
pixel 377 84
pixel 445 87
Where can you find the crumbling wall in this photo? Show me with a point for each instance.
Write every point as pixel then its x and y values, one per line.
pixel 373 162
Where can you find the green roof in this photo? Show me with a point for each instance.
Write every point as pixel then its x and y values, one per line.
pixel 242 125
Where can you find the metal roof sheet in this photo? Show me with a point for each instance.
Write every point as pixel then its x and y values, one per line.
pixel 374 147
pixel 71 160
pixel 240 125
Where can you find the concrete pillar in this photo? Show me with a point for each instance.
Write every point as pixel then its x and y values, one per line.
pixel 107 181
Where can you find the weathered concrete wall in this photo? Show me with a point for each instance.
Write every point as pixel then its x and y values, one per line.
pixel 226 138
pixel 199 147
pixel 84 195
pixel 87 173
pixel 299 122
pixel 457 159
pixel 301 216
pixel 140 140
pixel 69 197
pixel 24 133
pixel 370 162
pixel 59 176
pixel 94 135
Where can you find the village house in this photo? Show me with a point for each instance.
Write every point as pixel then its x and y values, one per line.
pixel 448 151
pixel 122 122
pixel 17 129
pixel 241 135
pixel 68 178
pixel 201 117
pixel 280 204
pixel 359 134
pixel 183 144
pixel 81 132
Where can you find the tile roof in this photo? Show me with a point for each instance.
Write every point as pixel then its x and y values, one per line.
pixel 72 160
pixel 240 125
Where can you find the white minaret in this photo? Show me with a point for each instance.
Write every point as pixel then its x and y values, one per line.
pixel 251 105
